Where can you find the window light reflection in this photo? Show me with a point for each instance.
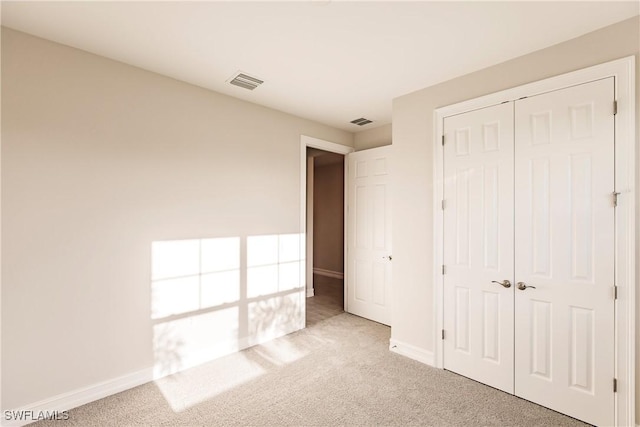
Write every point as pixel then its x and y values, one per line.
pixel 189 275
pixel 212 297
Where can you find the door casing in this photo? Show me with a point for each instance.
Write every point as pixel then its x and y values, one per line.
pixel 321 144
pixel 625 169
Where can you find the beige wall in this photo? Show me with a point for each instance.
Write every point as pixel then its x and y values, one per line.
pixel 99 160
pixel 328 217
pixel 372 138
pixel 413 319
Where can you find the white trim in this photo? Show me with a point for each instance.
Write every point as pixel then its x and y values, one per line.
pixel 1 406
pixel 328 273
pixel 624 72
pixel 345 221
pixel 625 268
pixel 411 351
pixel 308 141
pixel 309 222
pixel 73 399
pixel 438 237
pixel 81 396
pixel 321 144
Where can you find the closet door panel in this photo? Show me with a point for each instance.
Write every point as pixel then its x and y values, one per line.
pixel 478 245
pixel 564 251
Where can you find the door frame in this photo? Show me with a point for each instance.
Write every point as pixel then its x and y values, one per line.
pixel 321 144
pixel 625 237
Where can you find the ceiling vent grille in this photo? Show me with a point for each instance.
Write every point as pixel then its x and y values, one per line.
pixel 245 81
pixel 361 121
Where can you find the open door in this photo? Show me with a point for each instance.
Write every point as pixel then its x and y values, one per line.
pixel 368 269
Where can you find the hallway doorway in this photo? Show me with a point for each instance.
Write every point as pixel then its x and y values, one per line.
pixel 325 234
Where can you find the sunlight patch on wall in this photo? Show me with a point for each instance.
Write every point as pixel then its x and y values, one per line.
pixel 274 264
pixel 274 316
pixel 190 341
pixel 212 297
pixel 188 275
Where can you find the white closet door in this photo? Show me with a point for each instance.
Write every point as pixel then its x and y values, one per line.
pixel 564 251
pixel 478 245
pixel 369 235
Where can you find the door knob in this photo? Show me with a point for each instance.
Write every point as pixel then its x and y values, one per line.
pixel 388 257
pixel 522 286
pixel 505 283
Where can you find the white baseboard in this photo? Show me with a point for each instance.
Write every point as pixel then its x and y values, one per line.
pixel 57 405
pixel 328 273
pixel 67 401
pixel 79 397
pixel 310 292
pixel 412 352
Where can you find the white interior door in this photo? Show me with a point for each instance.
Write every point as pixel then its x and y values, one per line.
pixel 478 245
pixel 369 235
pixel 564 222
pixel 529 198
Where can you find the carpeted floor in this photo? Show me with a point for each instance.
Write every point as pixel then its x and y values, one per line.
pixel 336 372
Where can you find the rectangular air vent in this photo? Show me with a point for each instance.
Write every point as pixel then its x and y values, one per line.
pixel 361 121
pixel 245 81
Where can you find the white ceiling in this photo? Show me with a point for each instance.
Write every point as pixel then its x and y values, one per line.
pixel 327 61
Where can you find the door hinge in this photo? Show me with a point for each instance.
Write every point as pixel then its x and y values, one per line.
pixel 443 334
pixel 443 139
pixel 444 269
pixel 615 198
pixel 615 385
pixel 615 107
pixel 443 204
pixel 615 292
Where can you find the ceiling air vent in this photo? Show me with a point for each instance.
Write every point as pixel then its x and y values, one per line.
pixel 361 121
pixel 245 81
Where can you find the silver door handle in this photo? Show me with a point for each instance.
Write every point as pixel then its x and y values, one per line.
pixel 522 286
pixel 505 283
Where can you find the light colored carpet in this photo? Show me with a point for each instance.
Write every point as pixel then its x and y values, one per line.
pixel 337 372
